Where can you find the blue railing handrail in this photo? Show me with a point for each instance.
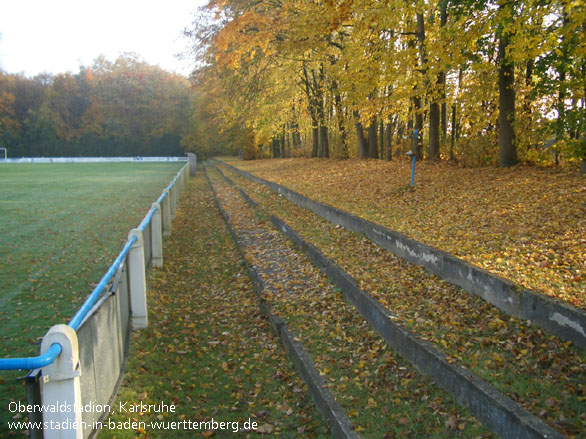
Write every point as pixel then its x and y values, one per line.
pixel 83 311
pixel 75 322
pixel 32 362
pixel 147 219
pixel 54 350
pixel 162 197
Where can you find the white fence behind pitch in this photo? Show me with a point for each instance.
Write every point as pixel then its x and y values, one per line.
pixel 92 159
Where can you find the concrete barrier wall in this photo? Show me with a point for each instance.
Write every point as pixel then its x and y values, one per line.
pixel 554 316
pixel 499 413
pixel 103 345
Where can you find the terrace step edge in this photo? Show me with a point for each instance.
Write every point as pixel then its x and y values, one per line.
pixel 554 316
pixel 323 399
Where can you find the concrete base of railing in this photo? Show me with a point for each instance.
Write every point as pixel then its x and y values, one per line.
pixel 60 389
pixel 137 281
pixel 192 162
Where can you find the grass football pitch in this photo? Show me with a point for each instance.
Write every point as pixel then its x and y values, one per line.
pixel 61 226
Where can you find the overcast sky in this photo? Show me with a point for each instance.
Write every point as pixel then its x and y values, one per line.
pixel 57 36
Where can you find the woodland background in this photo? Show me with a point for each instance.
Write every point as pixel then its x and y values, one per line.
pixel 484 82
pixel 488 82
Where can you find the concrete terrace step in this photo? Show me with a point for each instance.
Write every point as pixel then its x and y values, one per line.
pixel 295 290
pixel 554 316
pixel 499 412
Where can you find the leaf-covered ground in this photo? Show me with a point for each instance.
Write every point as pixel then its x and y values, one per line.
pixel 542 373
pixel 527 224
pixel 208 349
pixel 382 394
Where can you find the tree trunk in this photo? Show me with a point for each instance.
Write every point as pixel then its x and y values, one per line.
pixel 389 140
pixel 444 123
pixel 344 139
pixel 372 143
pixel 288 134
pixel 381 138
pixel 314 95
pixel 507 147
pixel 282 142
pixel 434 107
pixel 400 134
pixel 296 136
pixel 417 100
pixel 441 80
pixel 434 132
pixel 324 145
pixel 454 132
pixel 362 150
pixel 340 112
pixel 315 132
pixel 418 126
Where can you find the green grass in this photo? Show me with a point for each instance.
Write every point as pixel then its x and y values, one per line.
pixel 61 226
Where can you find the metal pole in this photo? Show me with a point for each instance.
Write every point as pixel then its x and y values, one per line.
pixel 413 160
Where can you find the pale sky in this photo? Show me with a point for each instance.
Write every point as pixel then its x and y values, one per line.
pixel 57 36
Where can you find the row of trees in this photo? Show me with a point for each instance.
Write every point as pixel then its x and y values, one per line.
pixel 125 107
pixel 483 81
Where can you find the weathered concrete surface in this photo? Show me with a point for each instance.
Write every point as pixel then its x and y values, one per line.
pixel 192 161
pixel 322 397
pixel 499 413
pixel 556 317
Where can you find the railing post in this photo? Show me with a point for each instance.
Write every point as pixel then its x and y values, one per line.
pixel 137 281
pixel 192 160
pixel 61 387
pixel 186 174
pixel 179 187
pixel 173 200
pixel 157 237
pixel 167 213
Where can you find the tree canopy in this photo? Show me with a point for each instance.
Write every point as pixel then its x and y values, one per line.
pixel 483 82
pixel 121 107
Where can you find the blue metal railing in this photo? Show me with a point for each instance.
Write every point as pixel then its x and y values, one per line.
pixel 54 350
pixel 147 219
pixel 31 362
pixel 162 197
pixel 84 310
